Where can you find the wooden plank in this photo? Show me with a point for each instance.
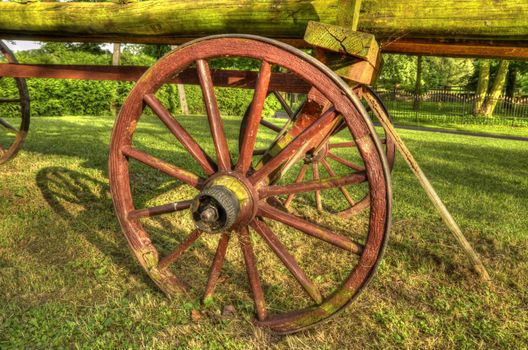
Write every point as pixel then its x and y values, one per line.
pixel 285 82
pixel 361 72
pixel 348 13
pixel 349 68
pixel 501 21
pixel 514 51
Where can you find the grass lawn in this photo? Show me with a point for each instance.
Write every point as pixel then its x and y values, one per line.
pixel 67 279
pixel 501 130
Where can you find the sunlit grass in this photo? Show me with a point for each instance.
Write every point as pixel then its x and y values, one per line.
pixel 67 279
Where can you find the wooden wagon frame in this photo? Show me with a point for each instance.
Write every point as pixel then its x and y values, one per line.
pixel 249 190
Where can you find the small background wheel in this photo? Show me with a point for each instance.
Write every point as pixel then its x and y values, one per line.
pixel 338 152
pixel 187 190
pixel 14 110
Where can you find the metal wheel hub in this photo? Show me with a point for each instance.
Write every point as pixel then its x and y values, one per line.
pixel 224 204
pixel 317 155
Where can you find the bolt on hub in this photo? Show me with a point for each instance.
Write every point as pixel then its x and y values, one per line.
pixel 216 209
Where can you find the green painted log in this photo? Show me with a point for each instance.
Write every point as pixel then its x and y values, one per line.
pixel 163 20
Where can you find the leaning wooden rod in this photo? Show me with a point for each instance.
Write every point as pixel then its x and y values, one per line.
pixel 352 8
pixel 431 193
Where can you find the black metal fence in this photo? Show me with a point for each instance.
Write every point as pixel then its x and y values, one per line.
pixel 451 105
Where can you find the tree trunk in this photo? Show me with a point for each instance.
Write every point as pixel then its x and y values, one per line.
pixel 511 81
pixel 116 57
pixel 496 89
pixel 116 54
pixel 181 94
pixel 482 86
pixel 183 99
pixel 418 84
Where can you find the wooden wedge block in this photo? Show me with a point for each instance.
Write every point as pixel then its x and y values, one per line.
pixel 342 40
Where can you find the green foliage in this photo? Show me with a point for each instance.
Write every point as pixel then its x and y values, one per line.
pixel 69 281
pixel 400 71
pixel 445 71
pixel 520 70
pixel 83 97
pixel 155 51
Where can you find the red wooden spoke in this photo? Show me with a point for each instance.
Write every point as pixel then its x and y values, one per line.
pixel 176 253
pixel 251 267
pixel 318 204
pixel 213 114
pixel 284 104
pixel 345 162
pixel 342 189
pixel 6 125
pixel 181 134
pixel 342 144
pixel 314 185
pixel 270 125
pixel 254 118
pixel 159 210
pixel 169 169
pixel 287 259
pixel 293 147
pixel 310 229
pixel 216 267
pixel 299 179
pixel 356 209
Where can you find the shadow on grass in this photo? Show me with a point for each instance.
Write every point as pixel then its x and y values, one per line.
pixel 442 160
pixel 85 205
pixel 90 141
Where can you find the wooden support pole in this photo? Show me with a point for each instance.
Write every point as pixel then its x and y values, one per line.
pixel 183 99
pixel 348 13
pixel 181 94
pixel 431 193
pixel 415 168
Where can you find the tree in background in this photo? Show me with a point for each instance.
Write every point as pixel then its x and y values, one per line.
pixel 447 71
pixel 418 83
pixel 401 71
pixel 157 51
pixel 521 82
pixel 517 79
pixel 482 86
pixel 116 54
pixel 486 98
pixel 116 58
pixel 397 71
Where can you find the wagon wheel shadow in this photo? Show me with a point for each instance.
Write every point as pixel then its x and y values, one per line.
pixel 85 205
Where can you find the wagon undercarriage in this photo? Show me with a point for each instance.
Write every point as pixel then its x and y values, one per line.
pixel 320 177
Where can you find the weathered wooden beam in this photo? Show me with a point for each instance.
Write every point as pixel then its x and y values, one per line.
pixel 166 20
pixel 505 50
pixel 284 82
pixel 348 12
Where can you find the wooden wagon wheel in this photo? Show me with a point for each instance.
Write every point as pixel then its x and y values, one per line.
pixel 353 203
pixel 12 131
pixel 232 195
